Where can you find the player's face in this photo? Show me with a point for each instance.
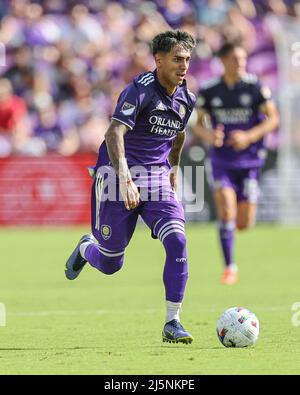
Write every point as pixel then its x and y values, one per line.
pixel 172 66
pixel 235 62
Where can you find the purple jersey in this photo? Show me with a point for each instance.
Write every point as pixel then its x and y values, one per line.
pixel 154 119
pixel 237 108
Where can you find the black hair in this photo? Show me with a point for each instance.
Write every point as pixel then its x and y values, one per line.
pixel 164 42
pixel 227 47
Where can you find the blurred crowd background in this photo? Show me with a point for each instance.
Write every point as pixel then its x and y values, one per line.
pixel 64 63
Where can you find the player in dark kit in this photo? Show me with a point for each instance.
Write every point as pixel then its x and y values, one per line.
pixel 143 142
pixel 235 112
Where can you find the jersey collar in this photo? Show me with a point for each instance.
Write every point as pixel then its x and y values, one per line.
pixel 232 87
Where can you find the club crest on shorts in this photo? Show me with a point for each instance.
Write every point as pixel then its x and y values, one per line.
pixel 105 231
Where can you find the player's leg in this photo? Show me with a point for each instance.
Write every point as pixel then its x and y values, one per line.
pixel 166 219
pixel 226 207
pixel 112 227
pixel 247 199
pixel 246 215
pixel 224 186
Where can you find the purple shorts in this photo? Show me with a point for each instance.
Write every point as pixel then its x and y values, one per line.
pixel 113 225
pixel 243 181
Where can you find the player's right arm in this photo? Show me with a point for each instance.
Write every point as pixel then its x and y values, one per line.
pixel 205 132
pixel 131 101
pixel 114 139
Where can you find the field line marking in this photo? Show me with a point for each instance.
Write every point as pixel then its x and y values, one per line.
pixel 147 311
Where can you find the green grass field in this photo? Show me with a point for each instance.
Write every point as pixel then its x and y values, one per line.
pixel 112 324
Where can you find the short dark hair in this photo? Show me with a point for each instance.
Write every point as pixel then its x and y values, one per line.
pixel 227 47
pixel 164 42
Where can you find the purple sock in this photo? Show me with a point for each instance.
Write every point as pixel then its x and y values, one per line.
pixel 172 235
pixel 107 261
pixel 176 267
pixel 226 233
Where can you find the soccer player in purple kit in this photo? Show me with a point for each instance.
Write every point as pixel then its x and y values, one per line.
pixel 147 130
pixel 235 112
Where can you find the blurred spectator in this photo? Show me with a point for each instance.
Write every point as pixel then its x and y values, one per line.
pixel 21 71
pixel 48 127
pixel 67 61
pixel 14 126
pixel 175 12
pixel 213 12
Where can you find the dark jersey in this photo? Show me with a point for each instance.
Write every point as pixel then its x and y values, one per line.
pixel 237 108
pixel 154 119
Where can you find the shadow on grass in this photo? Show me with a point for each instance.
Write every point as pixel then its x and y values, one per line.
pixel 189 347
pixel 49 348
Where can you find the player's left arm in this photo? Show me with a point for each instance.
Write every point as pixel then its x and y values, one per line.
pixel 174 158
pixel 268 125
pixel 241 140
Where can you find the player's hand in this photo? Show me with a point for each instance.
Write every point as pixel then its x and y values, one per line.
pixel 130 194
pixel 239 140
pixel 174 179
pixel 216 136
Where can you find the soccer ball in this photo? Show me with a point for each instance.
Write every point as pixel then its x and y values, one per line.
pixel 238 327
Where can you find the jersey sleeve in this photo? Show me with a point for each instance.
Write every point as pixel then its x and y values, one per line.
pixel 202 102
pixel 129 105
pixel 191 105
pixel 262 93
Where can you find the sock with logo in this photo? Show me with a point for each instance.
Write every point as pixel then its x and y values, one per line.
pixel 172 234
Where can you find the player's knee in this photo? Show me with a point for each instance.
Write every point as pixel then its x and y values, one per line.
pixel 111 265
pixel 175 242
pixel 112 269
pixel 227 214
pixel 172 235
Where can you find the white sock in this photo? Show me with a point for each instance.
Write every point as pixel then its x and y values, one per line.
pixel 172 311
pixel 233 267
pixel 83 247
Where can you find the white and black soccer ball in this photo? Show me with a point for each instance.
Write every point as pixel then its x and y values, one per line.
pixel 238 327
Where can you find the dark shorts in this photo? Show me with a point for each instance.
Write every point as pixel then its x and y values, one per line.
pixel 243 181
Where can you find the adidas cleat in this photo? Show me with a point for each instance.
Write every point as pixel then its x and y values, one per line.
pixel 174 332
pixel 76 263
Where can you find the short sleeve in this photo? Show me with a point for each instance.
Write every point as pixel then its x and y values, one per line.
pixel 191 105
pixel 263 93
pixel 202 102
pixel 128 106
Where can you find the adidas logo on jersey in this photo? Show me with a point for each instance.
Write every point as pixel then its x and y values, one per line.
pixel 160 106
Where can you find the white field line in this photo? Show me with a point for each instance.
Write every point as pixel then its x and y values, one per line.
pixel 147 311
